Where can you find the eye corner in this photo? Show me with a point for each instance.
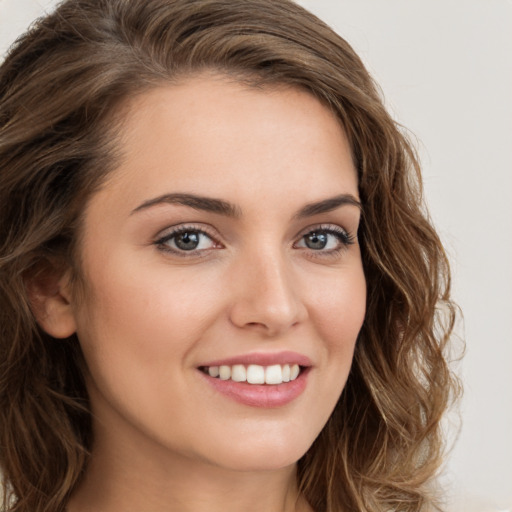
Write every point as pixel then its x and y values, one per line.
pixel 195 241
pixel 325 239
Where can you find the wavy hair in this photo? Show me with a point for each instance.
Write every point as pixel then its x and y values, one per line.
pixel 61 88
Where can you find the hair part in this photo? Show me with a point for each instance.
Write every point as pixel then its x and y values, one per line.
pixel 62 90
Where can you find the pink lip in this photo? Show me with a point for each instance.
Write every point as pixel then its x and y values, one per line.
pixel 263 359
pixel 261 395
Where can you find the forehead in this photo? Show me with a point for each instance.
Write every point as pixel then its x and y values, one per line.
pixel 211 135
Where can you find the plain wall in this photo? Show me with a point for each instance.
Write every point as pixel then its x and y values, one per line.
pixel 445 68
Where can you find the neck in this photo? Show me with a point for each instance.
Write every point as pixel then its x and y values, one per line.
pixel 148 478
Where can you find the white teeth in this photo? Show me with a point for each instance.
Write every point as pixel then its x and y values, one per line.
pixel 273 374
pixel 255 373
pixel 213 371
pixel 286 373
pixel 224 372
pixel 238 373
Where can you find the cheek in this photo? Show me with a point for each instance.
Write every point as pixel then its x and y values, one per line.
pixel 138 331
pixel 146 312
pixel 339 311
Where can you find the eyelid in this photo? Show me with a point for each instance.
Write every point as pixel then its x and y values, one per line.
pixel 185 226
pixel 167 234
pixel 333 228
pixel 345 238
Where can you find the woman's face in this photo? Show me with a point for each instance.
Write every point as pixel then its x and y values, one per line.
pixel 224 243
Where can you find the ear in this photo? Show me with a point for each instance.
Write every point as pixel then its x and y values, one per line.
pixel 49 293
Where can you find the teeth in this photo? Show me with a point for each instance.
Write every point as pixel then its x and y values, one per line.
pixel 213 371
pixel 255 374
pixel 273 374
pixel 238 373
pixel 225 372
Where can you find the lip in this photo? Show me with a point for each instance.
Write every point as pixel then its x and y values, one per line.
pixel 263 359
pixel 261 395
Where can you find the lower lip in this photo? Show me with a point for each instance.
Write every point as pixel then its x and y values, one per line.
pixel 260 395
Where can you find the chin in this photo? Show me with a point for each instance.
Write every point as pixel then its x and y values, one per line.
pixel 263 455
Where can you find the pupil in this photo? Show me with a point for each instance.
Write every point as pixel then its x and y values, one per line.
pixel 316 240
pixel 187 241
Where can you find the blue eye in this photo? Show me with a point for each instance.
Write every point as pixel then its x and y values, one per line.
pixel 186 240
pixel 318 240
pixel 325 239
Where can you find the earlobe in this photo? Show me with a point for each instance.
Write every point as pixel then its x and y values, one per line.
pixel 50 300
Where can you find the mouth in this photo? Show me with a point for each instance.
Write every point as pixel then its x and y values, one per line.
pixel 254 373
pixel 259 380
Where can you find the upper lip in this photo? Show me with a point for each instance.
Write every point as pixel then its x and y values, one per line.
pixel 263 359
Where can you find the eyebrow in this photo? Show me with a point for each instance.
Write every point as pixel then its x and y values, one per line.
pixel 221 207
pixel 327 205
pixel 208 204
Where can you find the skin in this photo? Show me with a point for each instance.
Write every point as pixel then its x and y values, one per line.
pixel 165 440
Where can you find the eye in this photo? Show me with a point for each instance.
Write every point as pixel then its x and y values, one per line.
pixel 325 239
pixel 186 239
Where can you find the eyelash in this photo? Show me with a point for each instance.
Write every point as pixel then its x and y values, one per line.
pixel 162 242
pixel 343 237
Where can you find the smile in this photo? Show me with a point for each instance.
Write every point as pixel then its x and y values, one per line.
pixel 254 373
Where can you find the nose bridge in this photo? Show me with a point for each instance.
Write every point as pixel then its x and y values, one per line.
pixel 267 297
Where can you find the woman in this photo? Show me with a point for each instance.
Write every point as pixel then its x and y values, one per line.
pixel 219 288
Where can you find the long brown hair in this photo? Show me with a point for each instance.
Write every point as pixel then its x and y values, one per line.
pixel 60 90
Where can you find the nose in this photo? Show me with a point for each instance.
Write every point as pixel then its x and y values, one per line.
pixel 266 296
